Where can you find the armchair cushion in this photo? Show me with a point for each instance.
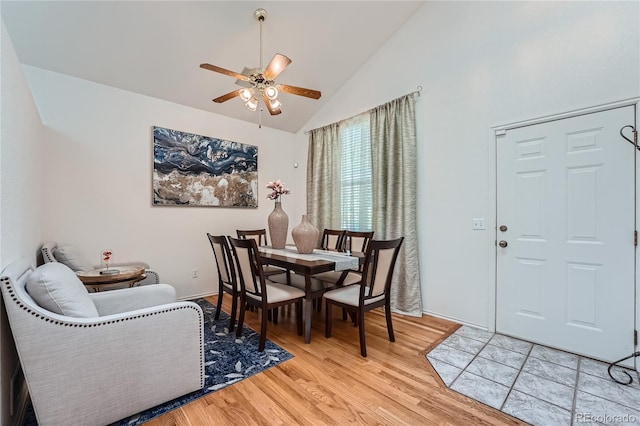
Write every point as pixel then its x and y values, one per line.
pixel 56 288
pixel 71 256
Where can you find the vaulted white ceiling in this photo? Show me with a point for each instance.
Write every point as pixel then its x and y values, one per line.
pixel 155 48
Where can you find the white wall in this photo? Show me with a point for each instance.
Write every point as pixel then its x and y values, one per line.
pixel 20 195
pixel 98 189
pixel 483 64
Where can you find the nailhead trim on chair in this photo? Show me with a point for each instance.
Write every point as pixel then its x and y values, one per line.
pixel 149 273
pixel 7 282
pixel 47 255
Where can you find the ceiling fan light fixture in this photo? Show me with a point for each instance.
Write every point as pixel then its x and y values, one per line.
pixel 271 92
pixel 252 103
pixel 274 103
pixel 246 94
pixel 259 83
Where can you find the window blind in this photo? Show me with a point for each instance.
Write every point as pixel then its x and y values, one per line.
pixel 356 199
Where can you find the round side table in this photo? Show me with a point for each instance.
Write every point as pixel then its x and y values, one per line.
pixel 127 275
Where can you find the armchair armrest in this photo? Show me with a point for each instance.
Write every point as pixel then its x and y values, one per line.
pixel 130 299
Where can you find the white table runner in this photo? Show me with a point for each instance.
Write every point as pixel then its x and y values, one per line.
pixel 342 260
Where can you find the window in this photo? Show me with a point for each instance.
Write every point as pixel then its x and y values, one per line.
pixel 355 175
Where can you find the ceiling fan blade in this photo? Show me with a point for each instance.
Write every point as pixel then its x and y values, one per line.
pixel 224 71
pixel 272 111
pixel 276 66
pixel 227 96
pixel 300 91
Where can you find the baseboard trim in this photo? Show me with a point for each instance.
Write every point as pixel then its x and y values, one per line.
pixel 458 320
pixel 197 296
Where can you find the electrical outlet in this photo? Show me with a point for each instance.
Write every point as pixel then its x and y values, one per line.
pixel 194 274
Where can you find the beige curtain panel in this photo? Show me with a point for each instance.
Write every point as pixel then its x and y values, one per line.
pixel 394 146
pixel 394 163
pixel 323 177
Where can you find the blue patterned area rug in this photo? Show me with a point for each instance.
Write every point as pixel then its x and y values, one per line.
pixel 227 360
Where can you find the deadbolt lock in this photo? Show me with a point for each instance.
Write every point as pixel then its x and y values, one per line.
pixel 503 228
pixel 503 243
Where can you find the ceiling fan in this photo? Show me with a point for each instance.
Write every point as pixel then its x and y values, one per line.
pixel 260 82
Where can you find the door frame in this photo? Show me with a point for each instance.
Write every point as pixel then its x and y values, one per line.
pixel 494 133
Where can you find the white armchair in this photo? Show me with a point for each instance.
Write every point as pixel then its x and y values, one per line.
pixel 49 255
pixel 142 349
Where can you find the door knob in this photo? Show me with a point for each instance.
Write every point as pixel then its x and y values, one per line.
pixel 503 228
pixel 503 243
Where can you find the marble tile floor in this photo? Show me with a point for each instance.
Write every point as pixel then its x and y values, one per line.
pixel 536 384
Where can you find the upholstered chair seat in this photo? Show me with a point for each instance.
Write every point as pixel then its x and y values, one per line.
pixel 349 296
pixel 342 278
pixel 278 293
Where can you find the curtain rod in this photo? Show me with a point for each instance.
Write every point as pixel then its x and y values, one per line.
pixel 415 92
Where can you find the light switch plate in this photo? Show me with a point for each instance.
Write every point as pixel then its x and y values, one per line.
pixel 478 223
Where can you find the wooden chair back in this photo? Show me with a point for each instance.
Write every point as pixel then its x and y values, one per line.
pixel 249 266
pixel 378 268
pixel 224 261
pixel 356 241
pixel 332 239
pixel 260 235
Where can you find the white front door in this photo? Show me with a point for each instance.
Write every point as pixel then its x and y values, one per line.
pixel 565 193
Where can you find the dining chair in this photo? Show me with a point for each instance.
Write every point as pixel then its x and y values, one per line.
pixel 358 241
pixel 227 277
pixel 257 291
pixel 260 237
pixel 373 291
pixel 332 239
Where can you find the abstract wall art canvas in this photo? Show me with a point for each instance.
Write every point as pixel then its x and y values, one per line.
pixel 195 170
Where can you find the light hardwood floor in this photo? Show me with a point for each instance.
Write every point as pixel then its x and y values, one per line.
pixel 329 383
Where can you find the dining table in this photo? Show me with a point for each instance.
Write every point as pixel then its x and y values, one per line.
pixel 307 265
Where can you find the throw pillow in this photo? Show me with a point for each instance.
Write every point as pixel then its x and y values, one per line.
pixel 58 289
pixel 71 256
